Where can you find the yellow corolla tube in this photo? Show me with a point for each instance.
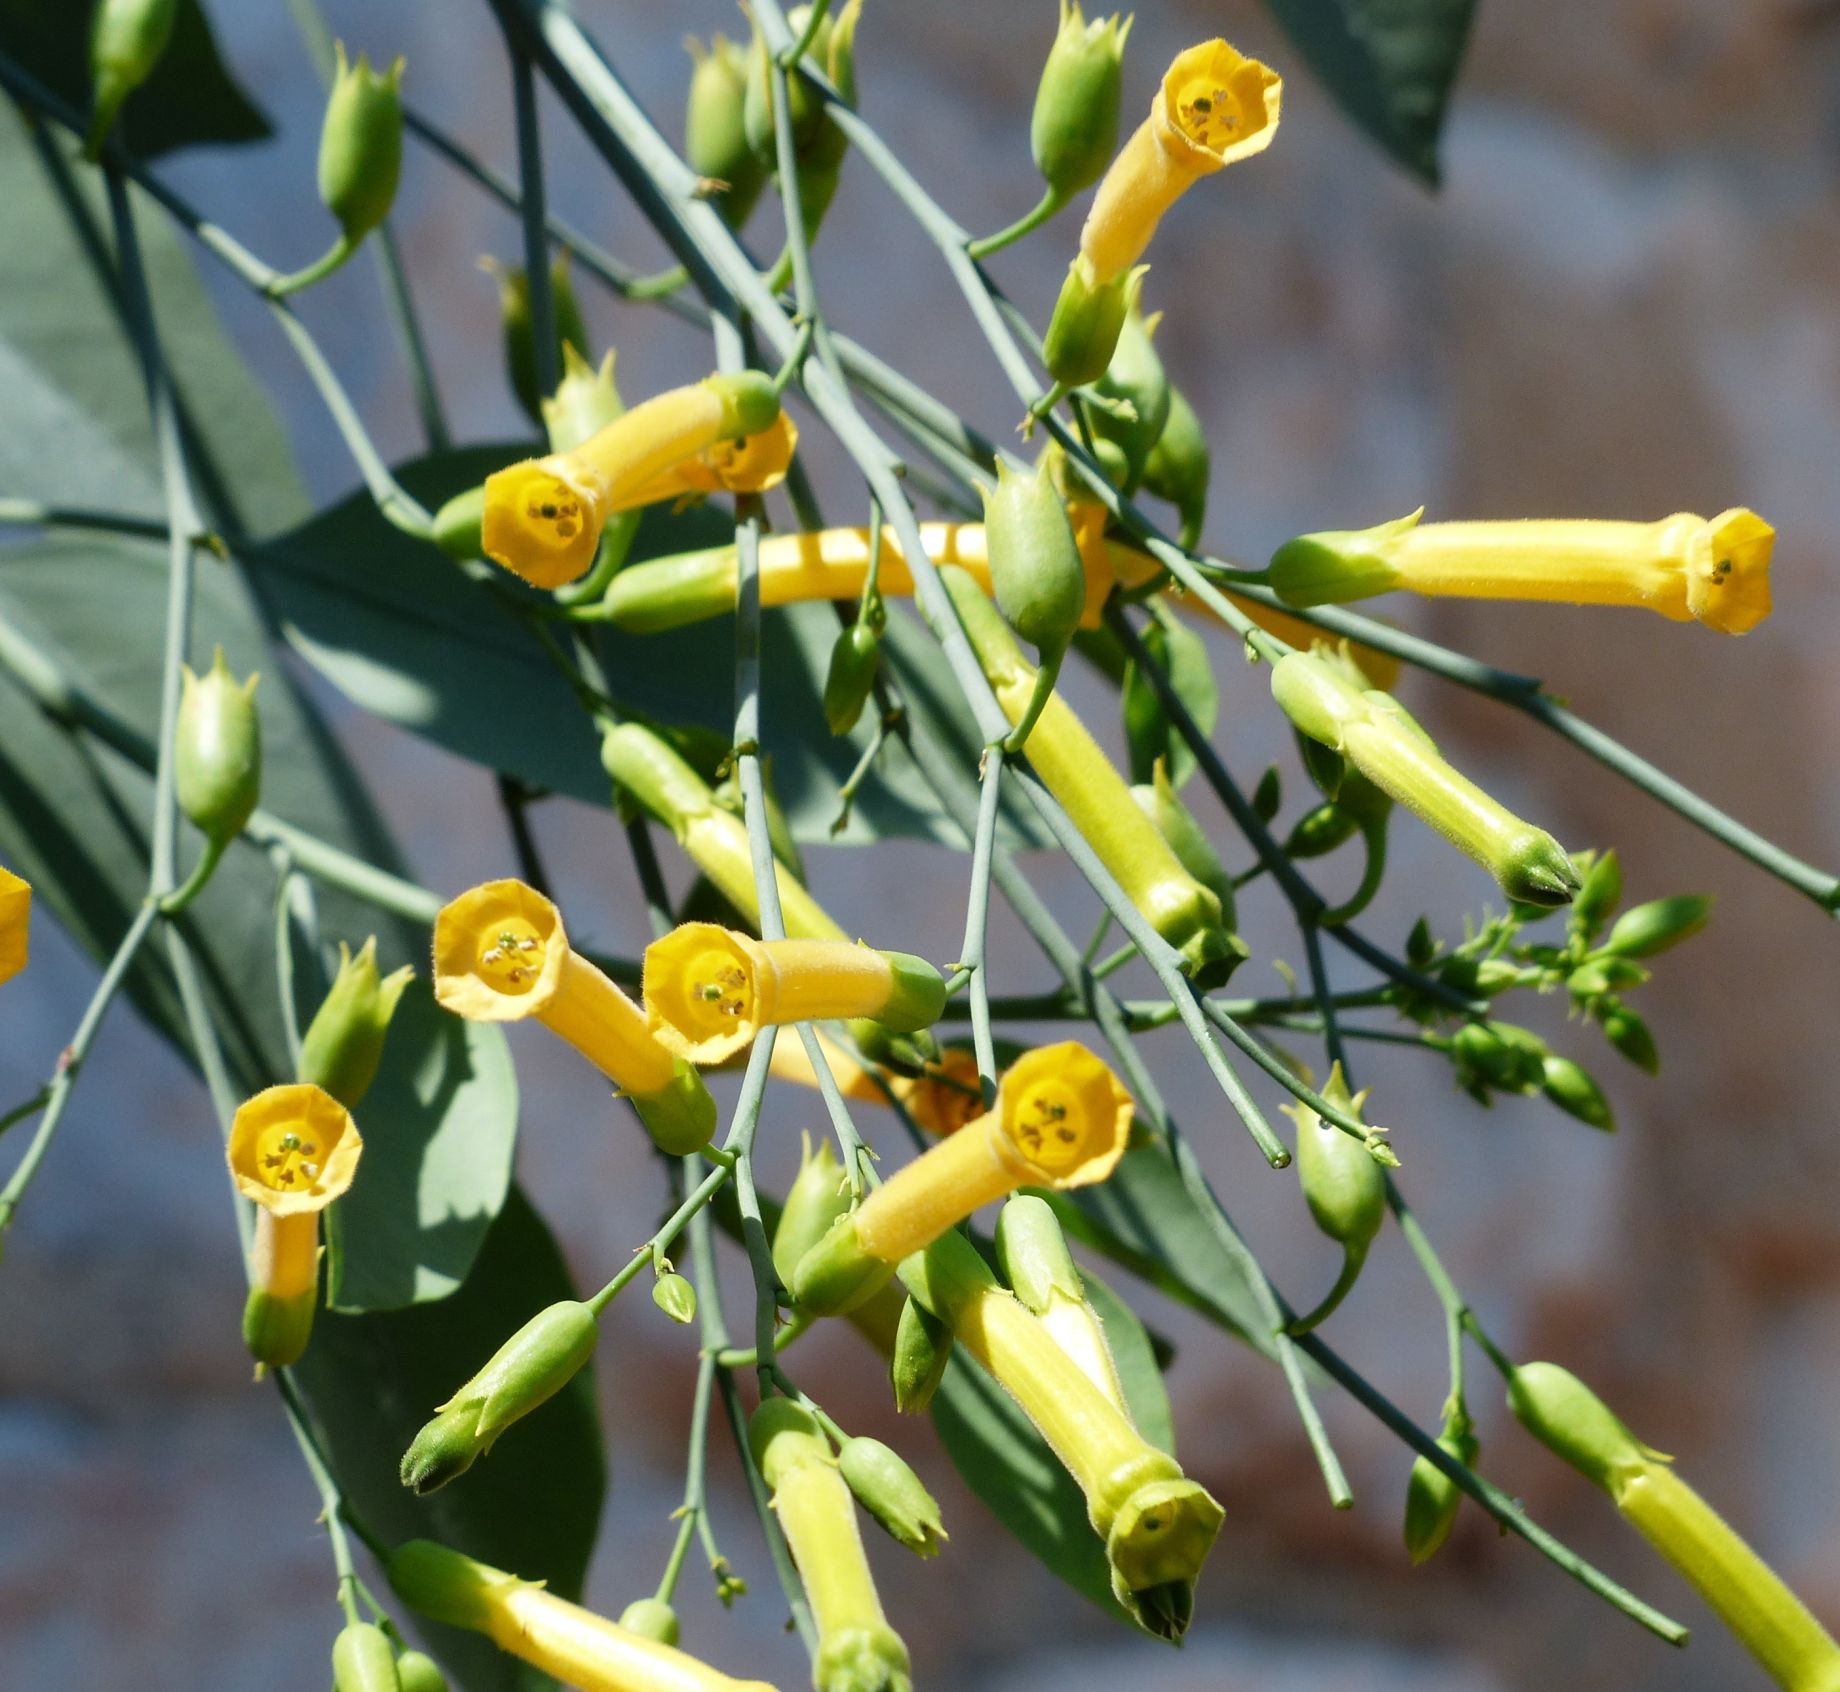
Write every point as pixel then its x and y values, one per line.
pixel 292 1151
pixel 502 954
pixel 15 923
pixel 543 516
pixel 709 990
pixel 752 464
pixel 1098 800
pixel 1062 1119
pixel 667 593
pixel 1766 1618
pixel 1715 571
pixel 578 1647
pixel 1157 1525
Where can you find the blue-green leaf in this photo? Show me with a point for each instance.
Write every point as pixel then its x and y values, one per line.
pixel 1391 65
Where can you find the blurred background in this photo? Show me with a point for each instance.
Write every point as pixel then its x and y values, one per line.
pixel 1624 302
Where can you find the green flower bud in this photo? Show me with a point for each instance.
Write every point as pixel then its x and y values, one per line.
pixel 1188 840
pixel 1110 458
pixel 855 660
pixel 1268 796
pixel 1321 831
pixel 1033 1254
pixel 586 400
pixel 1432 1497
pixel 1629 1034
pixel 1338 565
pixel 675 1297
pixel 363 1660
pixel 217 758
pixel 1343 1184
pixel 1599 896
pixel 519 335
pixel 458 524
pixel 1074 130
pixel 1326 768
pixel 276 1329
pixel 818 1196
pixel 836 1274
pixel 343 1044
pixel 893 1494
pixel 750 402
pixel 1597 976
pixel 1135 392
pixel 922 1349
pixel 1088 319
pixel 1178 465
pixel 126 39
pixel 1571 1421
pixel 533 1365
pixel 1035 563
pixel 840 52
pixel 1570 1087
pixel 808 115
pixel 1661 923
pixel 715 135
pixel 360 145
pixel 1499 1055
pixel 652 1618
pixel 416 1672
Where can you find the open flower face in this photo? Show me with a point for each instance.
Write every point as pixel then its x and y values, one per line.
pixel 542 521
pixel 1064 1114
pixel 15 923
pixel 1728 572
pixel 498 953
pixel 293 1149
pixel 1216 105
pixel 701 992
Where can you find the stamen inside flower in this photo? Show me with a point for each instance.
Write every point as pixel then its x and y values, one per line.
pixel 513 961
pixel 1047 1125
pixel 1207 113
pixel 720 992
pixel 287 1160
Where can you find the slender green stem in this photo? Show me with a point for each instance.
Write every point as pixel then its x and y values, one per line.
pixel 1050 203
pixel 660 1242
pixel 333 258
pixel 215 846
pixel 34 514
pixel 814 21
pixel 977 920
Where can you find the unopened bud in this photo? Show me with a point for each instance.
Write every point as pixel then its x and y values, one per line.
pixel 1499 1055
pixel 1074 130
pixel 1134 394
pixel 1570 1087
pixel 818 1196
pixel 586 399
pixel 1268 796
pixel 1604 974
pixel 675 1297
pixel 652 1618
pixel 1432 1497
pixel 343 1044
pixel 532 1366
pixel 217 762
pixel 1661 923
pixel 1629 1034
pixel 855 660
pixel 518 330
pixel 922 1349
pixel 1088 319
pixel 1320 831
pixel 363 1660
pixel 1035 566
pixel 715 134
pixel 1599 896
pixel 1033 1254
pixel 418 1672
pixel 126 40
pixel 360 145
pixel 893 1494
pixel 1343 1184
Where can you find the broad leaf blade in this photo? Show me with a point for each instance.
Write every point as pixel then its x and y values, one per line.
pixel 1391 65
pixel 532 1504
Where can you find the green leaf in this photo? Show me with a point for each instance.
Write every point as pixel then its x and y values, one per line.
pixel 531 1505
pixel 440 1124
pixel 189 99
pixel 1143 1218
pixel 1001 1457
pixel 395 626
pixel 1390 64
pixel 1182 655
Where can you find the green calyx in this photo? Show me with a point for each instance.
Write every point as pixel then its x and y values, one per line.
pixel 531 1367
pixel 1162 804
pixel 1572 1422
pixel 715 130
pixel 444 1585
pixel 855 662
pixel 862 1659
pixel 922 1349
pixel 217 754
pixel 458 525
pixel 1074 129
pixel 360 145
pixel 680 1116
pixel 1035 563
pixel 1432 1497
pixel 750 402
pixel 1088 319
pixel 1339 564
pixel 1571 1087
pixel 1343 1184
pixel 893 1494
pixel 918 997
pixel 836 1274
pixel 418 1672
pixel 1535 869
pixel 363 1660
pixel 1132 398
pixel 343 1045
pixel 276 1330
pixel 652 1618
pixel 1158 1541
pixel 783 1435
pixel 817 1198
pixel 126 40
pixel 676 1297
pixel 586 400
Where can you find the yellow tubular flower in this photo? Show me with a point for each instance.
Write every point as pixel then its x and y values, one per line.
pixel 292 1151
pixel 709 990
pixel 753 464
pixel 947 1096
pixel 1062 1120
pixel 791 1062
pixel 543 516
pixel 562 1639
pixel 501 954
pixel 15 923
pixel 1214 107
pixel 1158 1526
pixel 1097 799
pixel 1685 567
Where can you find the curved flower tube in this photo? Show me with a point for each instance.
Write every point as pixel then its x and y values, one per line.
pixel 502 954
pixel 753 464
